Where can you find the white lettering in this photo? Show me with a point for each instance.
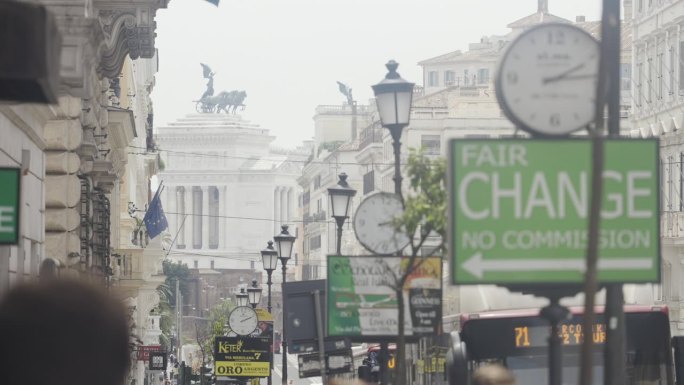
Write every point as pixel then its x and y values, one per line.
pixel 463 195
pixel 501 155
pixel 615 198
pixel 543 201
pixel 498 193
pixel 6 219
pixel 577 196
pixel 633 193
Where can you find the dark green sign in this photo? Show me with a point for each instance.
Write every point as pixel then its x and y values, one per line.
pixel 519 211
pixel 9 206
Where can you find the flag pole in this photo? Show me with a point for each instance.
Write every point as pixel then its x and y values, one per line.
pixel 176 237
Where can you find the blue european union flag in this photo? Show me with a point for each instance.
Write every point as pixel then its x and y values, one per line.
pixel 155 220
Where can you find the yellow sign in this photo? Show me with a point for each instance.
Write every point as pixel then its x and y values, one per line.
pixel 263 315
pixel 391 363
pixel 241 369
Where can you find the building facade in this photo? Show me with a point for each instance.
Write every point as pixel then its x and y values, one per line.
pixel 658 112
pixel 78 171
pixel 227 192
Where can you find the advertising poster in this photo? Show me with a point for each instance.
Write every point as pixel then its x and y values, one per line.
pixel 362 303
pixel 242 356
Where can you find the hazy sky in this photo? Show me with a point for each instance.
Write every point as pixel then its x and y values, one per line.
pixel 288 54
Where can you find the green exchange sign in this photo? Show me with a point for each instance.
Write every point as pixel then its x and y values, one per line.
pixel 9 206
pixel 519 211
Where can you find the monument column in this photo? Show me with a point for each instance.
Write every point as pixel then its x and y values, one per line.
pixel 276 210
pixel 222 219
pixel 205 217
pixel 189 219
pixel 284 218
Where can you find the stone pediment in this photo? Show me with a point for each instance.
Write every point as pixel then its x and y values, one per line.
pixel 288 167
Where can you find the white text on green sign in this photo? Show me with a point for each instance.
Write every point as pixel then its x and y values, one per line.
pixel 520 210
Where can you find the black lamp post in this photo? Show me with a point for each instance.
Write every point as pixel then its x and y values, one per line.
pixel 393 96
pixel 284 243
pixel 242 299
pixel 340 199
pixel 254 294
pixel 269 258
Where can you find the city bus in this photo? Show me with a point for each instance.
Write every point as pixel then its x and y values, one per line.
pixel 518 340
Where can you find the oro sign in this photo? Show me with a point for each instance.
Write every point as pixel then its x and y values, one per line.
pixel 519 211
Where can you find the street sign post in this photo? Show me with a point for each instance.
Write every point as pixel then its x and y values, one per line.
pixel 519 211
pixel 9 206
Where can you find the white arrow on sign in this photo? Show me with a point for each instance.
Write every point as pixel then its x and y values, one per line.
pixel 477 266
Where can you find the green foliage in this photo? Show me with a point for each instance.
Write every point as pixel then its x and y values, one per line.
pixel 213 326
pixel 425 207
pixel 425 215
pixel 167 297
pixel 175 272
pixel 330 146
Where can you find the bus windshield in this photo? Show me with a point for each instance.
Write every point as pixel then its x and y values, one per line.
pixel 520 343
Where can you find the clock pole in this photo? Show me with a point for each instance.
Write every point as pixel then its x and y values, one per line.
pixel 610 76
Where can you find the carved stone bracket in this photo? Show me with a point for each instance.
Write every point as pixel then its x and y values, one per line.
pixel 127 30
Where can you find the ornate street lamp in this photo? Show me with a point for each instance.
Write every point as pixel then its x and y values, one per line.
pixel 269 257
pixel 393 96
pixel 340 199
pixel 285 243
pixel 254 294
pixel 242 299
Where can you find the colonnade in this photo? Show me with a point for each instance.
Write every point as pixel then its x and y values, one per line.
pixel 197 215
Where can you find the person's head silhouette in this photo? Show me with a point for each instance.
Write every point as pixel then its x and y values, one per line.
pixel 61 332
pixel 493 374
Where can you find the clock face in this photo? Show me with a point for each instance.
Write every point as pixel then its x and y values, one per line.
pixel 243 320
pixel 546 81
pixel 373 224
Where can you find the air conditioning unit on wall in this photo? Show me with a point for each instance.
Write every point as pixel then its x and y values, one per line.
pixel 30 44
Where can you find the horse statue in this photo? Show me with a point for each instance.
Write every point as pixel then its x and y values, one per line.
pixel 232 99
pixel 210 103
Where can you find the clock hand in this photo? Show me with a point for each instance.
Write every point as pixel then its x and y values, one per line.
pixel 574 77
pixel 564 74
pixel 245 319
